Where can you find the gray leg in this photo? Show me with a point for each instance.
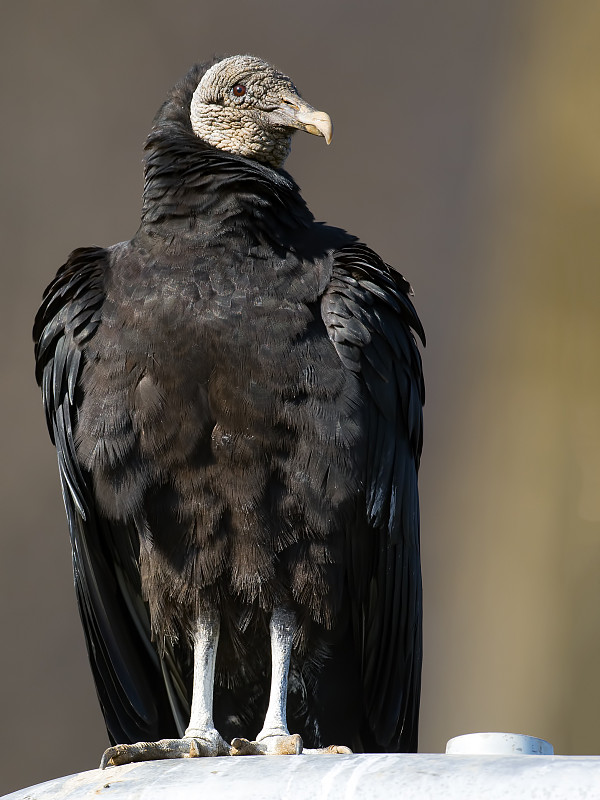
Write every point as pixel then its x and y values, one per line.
pixel 274 737
pixel 201 727
pixel 282 628
pixel 201 738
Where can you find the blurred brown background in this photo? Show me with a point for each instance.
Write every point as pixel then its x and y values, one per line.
pixel 467 152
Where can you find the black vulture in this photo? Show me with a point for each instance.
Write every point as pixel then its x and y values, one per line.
pixel 235 396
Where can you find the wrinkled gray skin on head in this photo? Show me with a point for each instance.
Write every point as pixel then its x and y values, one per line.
pixel 259 123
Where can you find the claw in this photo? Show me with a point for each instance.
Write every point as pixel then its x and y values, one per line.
pixel 244 747
pixel 337 748
pixel 333 748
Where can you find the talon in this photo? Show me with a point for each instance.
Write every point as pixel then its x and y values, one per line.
pixel 120 754
pixel 339 749
pixel 107 758
pixel 244 747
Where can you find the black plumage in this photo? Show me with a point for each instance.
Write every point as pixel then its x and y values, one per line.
pixel 235 396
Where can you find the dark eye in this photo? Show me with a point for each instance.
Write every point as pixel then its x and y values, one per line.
pixel 239 90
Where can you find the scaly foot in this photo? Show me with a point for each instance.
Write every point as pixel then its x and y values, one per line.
pixel 279 743
pixel 206 743
pixel 271 744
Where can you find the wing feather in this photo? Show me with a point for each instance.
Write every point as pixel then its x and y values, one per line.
pixel 371 322
pixel 135 688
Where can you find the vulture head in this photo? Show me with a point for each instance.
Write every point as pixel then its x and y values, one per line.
pixel 245 106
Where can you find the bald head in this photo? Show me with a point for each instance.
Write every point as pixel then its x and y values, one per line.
pixel 244 105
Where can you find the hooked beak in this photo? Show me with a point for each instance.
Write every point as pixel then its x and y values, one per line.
pixel 293 112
